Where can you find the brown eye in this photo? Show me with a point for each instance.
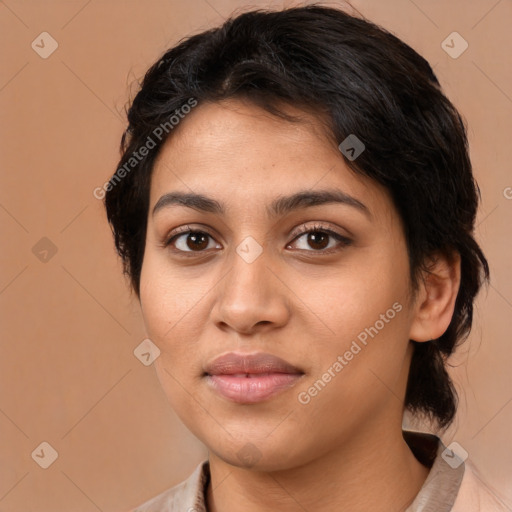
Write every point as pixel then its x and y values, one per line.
pixel 197 241
pixel 318 239
pixel 190 241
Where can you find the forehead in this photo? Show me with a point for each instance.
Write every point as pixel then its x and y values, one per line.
pixel 239 153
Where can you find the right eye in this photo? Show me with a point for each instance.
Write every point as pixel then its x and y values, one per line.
pixel 189 240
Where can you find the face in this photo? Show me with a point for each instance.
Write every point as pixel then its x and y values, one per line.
pixel 277 319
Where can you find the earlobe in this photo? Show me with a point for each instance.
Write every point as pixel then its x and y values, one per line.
pixel 436 299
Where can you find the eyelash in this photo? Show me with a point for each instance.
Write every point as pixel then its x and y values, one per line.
pixel 344 241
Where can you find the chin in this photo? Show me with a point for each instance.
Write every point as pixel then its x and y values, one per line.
pixel 260 455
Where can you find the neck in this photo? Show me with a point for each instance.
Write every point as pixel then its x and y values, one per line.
pixel 392 479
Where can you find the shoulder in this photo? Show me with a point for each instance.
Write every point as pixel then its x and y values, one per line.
pixel 188 496
pixel 476 495
pixel 448 487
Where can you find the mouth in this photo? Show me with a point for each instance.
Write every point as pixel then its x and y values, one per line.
pixel 250 378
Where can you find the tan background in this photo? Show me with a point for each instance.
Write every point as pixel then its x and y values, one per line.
pixel 69 326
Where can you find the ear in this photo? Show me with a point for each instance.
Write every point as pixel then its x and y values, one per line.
pixel 436 297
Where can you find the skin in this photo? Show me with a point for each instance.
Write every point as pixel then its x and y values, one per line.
pixel 345 446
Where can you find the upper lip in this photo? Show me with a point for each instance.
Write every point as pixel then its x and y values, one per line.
pixel 235 363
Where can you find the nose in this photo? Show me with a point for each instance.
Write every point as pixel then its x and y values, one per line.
pixel 251 297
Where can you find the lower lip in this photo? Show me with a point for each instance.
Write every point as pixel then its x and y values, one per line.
pixel 253 389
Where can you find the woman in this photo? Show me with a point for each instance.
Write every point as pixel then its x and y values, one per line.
pixel 294 207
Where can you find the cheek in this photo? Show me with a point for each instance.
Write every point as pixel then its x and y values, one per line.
pixel 169 317
pixel 366 311
pixel 175 312
pixel 167 297
pixel 352 299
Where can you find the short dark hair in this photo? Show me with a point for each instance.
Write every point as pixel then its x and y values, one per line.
pixel 364 81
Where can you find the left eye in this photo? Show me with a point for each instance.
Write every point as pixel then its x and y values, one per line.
pixel 319 239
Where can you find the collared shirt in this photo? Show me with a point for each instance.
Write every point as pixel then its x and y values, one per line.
pixel 452 485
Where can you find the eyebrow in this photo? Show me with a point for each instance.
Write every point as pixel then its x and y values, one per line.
pixel 280 206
